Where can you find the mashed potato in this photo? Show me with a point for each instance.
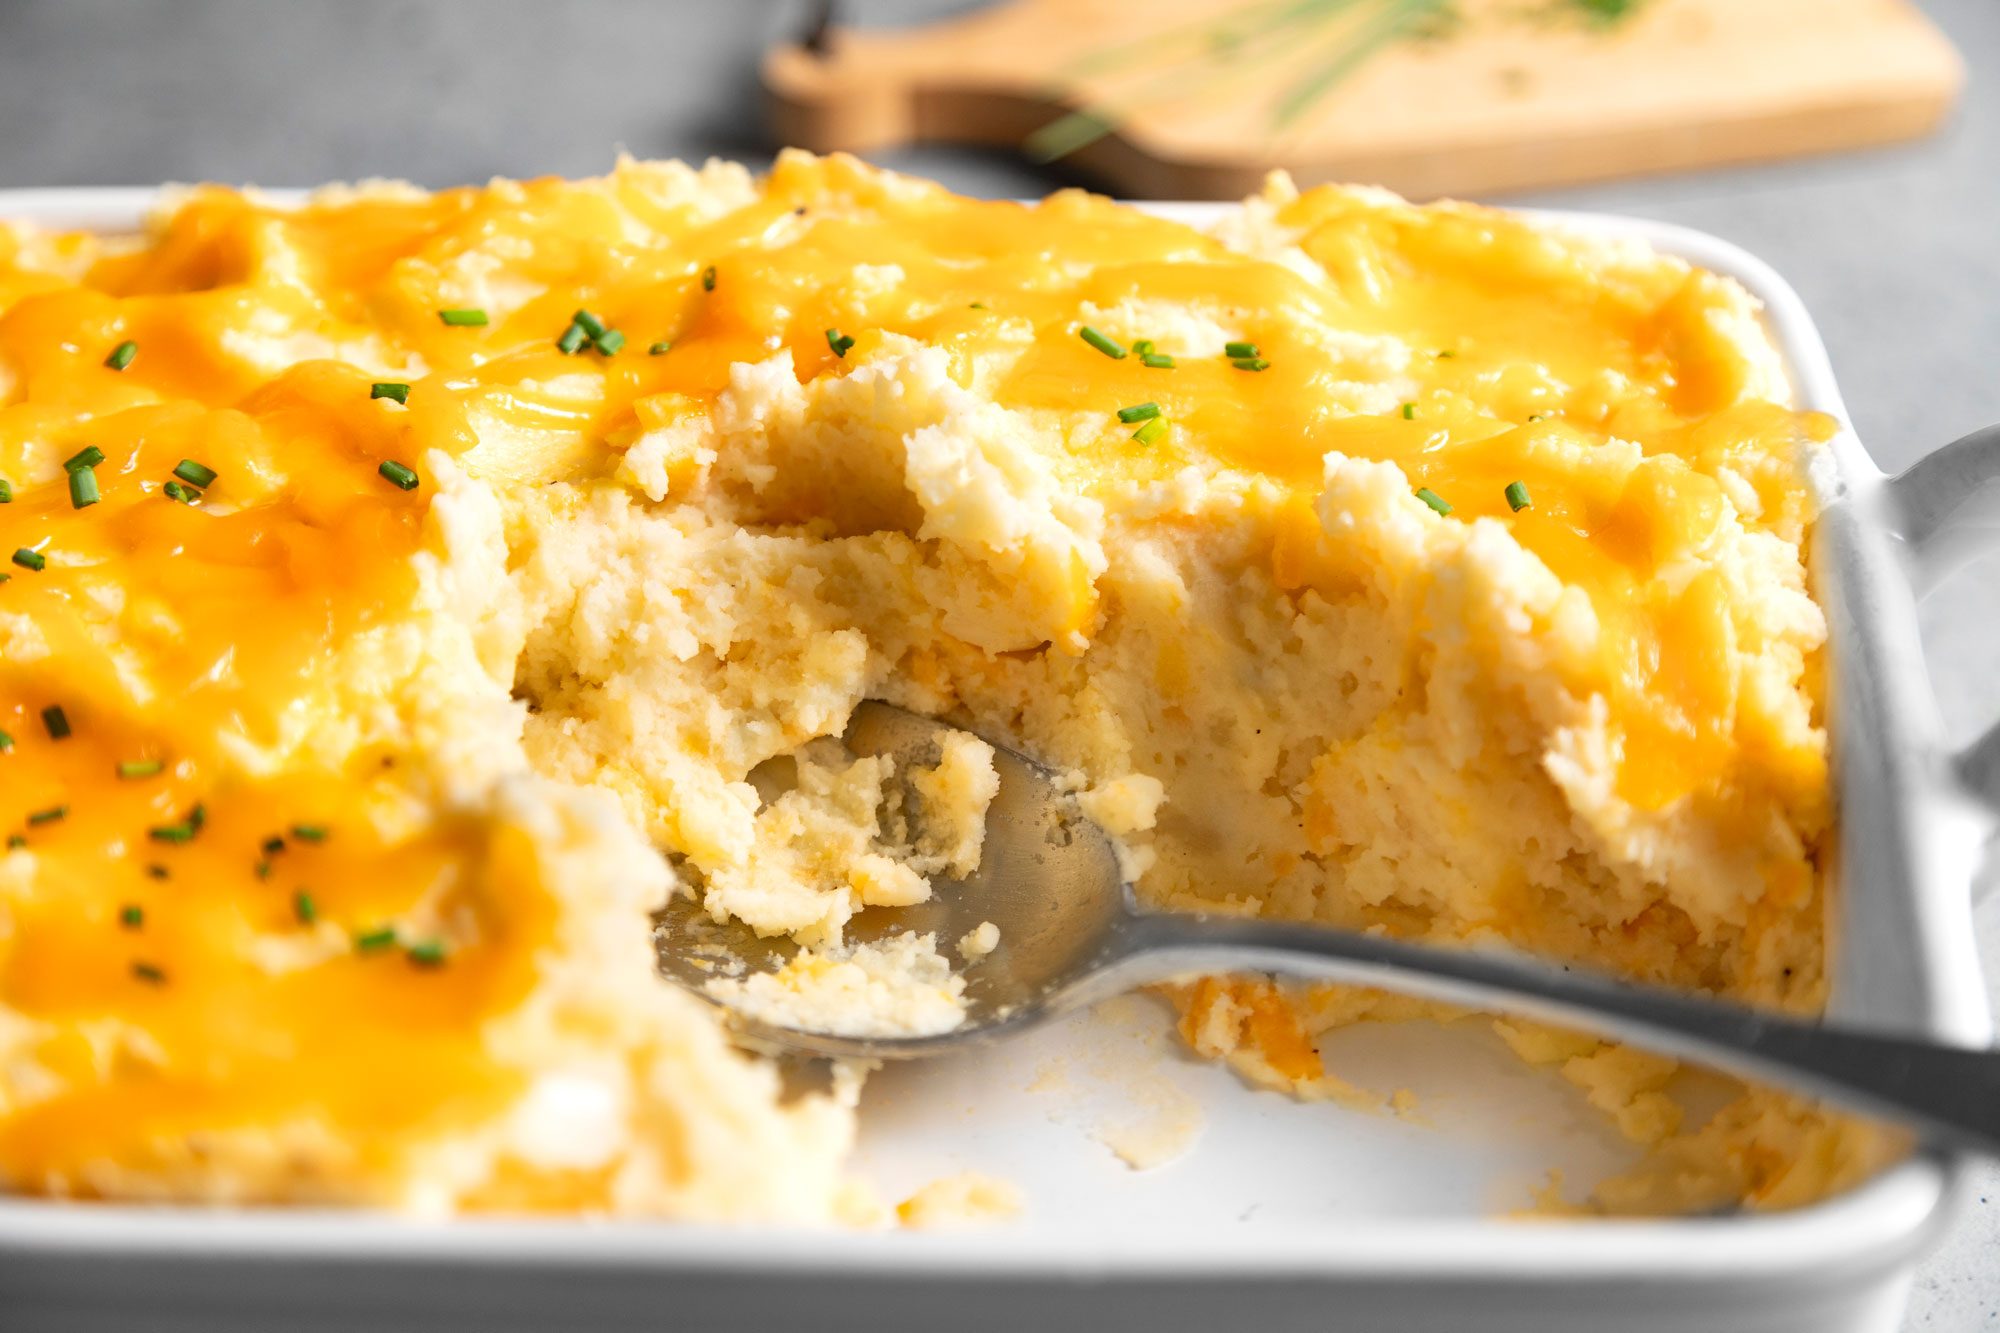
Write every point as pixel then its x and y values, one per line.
pixel 410 587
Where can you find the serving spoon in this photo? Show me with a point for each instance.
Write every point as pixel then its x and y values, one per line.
pixel 1070 935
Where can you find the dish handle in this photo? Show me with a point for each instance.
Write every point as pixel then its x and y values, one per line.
pixel 1949 510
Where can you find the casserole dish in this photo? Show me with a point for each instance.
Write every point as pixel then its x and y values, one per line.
pixel 1379 1225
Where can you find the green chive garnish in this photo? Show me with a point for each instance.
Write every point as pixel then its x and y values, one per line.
pixel 389 389
pixel 140 768
pixel 839 342
pixel 28 559
pixel 1234 350
pixel 977 305
pixel 1517 496
pixel 380 938
pixel 1101 343
pixel 86 458
pixel 121 355
pixel 157 871
pixel 1157 360
pixel 572 340
pixel 1250 363
pixel 56 721
pixel 1151 431
pixel 660 348
pixel 149 974
pixel 428 954
pixel 195 474
pixel 1141 346
pixel 1444 353
pixel 708 278
pixel 262 869
pixel 309 832
pixel 83 489
pixel 609 341
pixel 1433 499
pixel 6 492
pixel 464 317
pixel 398 475
pixel 15 842
pixel 304 908
pixel 176 491
pixel 592 326
pixel 1140 412
pixel 181 832
pixel 131 916
pixel 1409 411
pixel 6 742
pixel 272 845
pixel 48 816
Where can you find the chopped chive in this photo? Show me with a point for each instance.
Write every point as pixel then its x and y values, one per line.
pixel 28 559
pixel 1409 411
pixel 660 348
pixel 1101 343
pixel 1141 346
pixel 572 340
pixel 464 317
pixel 977 305
pixel 708 278
pixel 839 342
pixel 131 916
pixel 121 355
pixel 1139 412
pixel 272 845
pixel 56 721
pixel 1517 496
pixel 48 816
pixel 181 832
pixel 140 768
pixel 1157 360
pixel 428 954
pixel 6 492
pixel 1534 416
pixel 592 326
pixel 176 491
pixel 84 458
pixel 15 842
pixel 157 871
pixel 262 869
pixel 1241 349
pixel 6 742
pixel 195 474
pixel 1444 353
pixel 149 974
pixel 1151 431
pixel 398 475
pixel 6 577
pixel 1250 363
pixel 1433 499
pixel 609 341
pixel 304 908
pixel 379 938
pixel 389 389
pixel 83 491
pixel 309 832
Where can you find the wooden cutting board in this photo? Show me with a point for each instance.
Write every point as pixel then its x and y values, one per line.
pixel 1427 97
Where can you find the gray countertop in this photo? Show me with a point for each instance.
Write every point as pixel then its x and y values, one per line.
pixel 1897 251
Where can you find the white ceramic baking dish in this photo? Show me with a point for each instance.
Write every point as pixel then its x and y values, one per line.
pixel 1281 1215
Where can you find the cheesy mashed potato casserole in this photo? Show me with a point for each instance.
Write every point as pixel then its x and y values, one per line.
pixel 405 587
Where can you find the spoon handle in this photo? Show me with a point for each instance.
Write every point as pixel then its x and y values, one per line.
pixel 1950 1093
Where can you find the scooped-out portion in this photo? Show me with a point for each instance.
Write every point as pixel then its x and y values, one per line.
pixel 410 591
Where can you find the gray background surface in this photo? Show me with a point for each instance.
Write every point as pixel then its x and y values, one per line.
pixel 1897 252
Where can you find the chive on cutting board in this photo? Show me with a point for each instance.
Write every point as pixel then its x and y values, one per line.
pixel 1195 99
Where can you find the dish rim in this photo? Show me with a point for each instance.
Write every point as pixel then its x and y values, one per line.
pixel 1877 1225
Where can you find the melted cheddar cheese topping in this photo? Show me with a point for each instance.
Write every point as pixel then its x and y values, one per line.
pixel 250 641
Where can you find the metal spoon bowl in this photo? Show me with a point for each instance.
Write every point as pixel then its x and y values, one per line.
pixel 1071 934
